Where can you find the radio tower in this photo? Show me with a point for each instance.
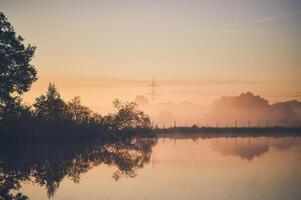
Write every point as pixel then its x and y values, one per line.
pixel 153 93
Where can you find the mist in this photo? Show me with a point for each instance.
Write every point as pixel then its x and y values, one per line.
pixel 243 110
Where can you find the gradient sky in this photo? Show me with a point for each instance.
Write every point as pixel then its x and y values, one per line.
pixel 211 47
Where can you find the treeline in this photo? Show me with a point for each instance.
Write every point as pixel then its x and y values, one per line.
pixel 51 107
pixel 52 118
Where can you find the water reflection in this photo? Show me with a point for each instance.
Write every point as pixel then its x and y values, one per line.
pixel 48 165
pixel 229 168
pixel 249 148
pixel 246 147
pixel 189 165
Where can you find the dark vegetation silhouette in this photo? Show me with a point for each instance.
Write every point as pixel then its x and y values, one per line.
pixel 226 131
pixel 52 139
pixel 17 74
pixel 50 118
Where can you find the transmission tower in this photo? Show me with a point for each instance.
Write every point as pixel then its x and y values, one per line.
pixel 153 92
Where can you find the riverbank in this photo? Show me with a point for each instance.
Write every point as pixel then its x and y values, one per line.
pixel 230 131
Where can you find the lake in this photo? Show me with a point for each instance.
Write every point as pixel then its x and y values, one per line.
pixel 168 167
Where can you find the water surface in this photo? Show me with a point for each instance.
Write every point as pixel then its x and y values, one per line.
pixel 181 167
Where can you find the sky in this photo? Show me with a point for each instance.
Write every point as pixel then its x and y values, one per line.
pixel 198 50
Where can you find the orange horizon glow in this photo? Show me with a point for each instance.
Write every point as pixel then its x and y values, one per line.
pixel 198 51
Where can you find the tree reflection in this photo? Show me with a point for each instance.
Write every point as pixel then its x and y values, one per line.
pixel 244 146
pixel 48 165
pixel 250 148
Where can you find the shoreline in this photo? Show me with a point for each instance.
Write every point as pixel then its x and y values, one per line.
pixel 228 132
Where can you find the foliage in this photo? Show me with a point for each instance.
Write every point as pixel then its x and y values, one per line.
pixel 50 112
pixel 14 111
pixel 52 119
pixel 16 72
pixel 79 113
pixel 51 106
pixel 127 116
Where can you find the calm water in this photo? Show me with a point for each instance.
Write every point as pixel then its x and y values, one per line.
pixel 164 168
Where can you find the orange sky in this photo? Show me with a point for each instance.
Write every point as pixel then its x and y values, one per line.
pixel 198 50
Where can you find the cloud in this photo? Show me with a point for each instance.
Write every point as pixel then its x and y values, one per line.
pixel 260 29
pixel 247 25
pixel 263 20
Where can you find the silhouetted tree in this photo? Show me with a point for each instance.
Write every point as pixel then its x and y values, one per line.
pixel 16 72
pixel 127 116
pixel 15 110
pixel 51 106
pixel 97 120
pixel 10 179
pixel 78 112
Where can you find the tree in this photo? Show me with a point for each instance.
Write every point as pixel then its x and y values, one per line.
pixel 78 112
pixel 127 116
pixel 15 111
pixel 16 72
pixel 51 106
